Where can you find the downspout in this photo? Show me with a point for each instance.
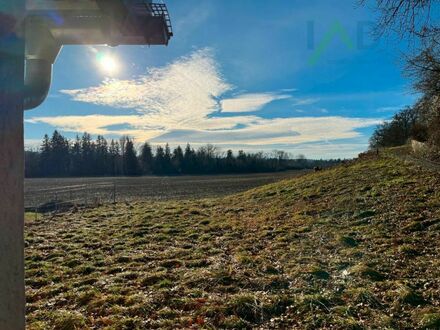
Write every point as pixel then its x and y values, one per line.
pixel 41 53
pixel 38 74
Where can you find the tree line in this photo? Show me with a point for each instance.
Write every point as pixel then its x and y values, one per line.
pixel 416 22
pixel 84 156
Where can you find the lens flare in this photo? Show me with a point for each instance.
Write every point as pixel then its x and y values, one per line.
pixel 107 63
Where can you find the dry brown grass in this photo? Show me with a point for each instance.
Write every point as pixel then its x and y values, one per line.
pixel 327 250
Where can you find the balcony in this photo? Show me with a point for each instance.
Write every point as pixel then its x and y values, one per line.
pixel 112 22
pixel 151 18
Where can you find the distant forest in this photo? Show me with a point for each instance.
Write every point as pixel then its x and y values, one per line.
pixel 60 157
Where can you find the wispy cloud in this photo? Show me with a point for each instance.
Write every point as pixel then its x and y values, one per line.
pixel 390 109
pixel 276 131
pixel 100 124
pixel 194 18
pixel 250 102
pixel 304 101
pixel 181 103
pixel 173 96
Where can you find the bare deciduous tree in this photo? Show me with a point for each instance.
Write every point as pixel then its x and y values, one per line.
pixel 424 69
pixel 406 17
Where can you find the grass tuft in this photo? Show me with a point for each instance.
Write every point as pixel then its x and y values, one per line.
pixel 68 320
pixel 430 321
pixel 408 296
pixel 367 272
pixel 348 241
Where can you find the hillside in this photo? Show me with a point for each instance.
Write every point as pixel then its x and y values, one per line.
pixel 353 247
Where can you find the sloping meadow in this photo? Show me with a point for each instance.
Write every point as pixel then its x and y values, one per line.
pixel 352 247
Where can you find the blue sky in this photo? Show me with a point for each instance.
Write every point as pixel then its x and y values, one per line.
pixel 237 74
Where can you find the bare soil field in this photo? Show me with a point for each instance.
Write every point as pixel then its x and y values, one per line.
pixel 85 190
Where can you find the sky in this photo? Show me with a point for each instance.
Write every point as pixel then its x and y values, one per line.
pixel 306 77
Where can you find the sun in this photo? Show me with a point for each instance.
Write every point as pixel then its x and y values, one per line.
pixel 108 63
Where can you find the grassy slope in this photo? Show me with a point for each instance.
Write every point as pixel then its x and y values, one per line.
pixel 353 247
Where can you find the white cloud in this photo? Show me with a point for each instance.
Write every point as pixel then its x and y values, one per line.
pixel 250 102
pixel 317 150
pixel 305 101
pixel 182 102
pixel 275 131
pixel 32 144
pixel 95 124
pixel 175 96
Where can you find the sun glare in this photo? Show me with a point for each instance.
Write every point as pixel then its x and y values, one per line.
pixel 108 63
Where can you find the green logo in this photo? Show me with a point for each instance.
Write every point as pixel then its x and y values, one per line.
pixel 336 29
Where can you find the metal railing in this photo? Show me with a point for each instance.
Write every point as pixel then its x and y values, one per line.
pixel 161 10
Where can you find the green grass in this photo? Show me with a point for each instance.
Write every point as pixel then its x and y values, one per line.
pixel 353 247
